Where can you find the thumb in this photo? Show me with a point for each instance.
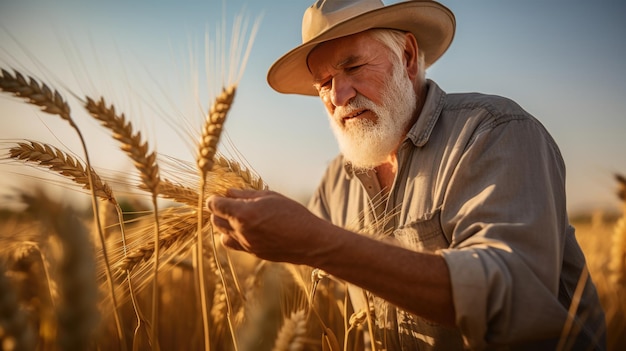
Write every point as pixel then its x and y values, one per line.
pixel 225 206
pixel 220 206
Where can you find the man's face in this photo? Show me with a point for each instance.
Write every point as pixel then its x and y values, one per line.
pixel 368 95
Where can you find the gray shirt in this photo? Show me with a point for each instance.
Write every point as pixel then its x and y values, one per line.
pixel 482 182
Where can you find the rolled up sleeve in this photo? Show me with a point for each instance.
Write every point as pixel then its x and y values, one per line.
pixel 505 210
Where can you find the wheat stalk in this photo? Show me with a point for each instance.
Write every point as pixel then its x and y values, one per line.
pixel 207 148
pixel 570 328
pixel 370 321
pixel 56 160
pixel 145 162
pixel 356 321
pixel 131 290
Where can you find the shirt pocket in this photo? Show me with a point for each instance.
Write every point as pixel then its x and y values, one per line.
pixel 423 235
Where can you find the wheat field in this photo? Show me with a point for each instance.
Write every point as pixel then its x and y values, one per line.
pixel 138 277
pixel 141 269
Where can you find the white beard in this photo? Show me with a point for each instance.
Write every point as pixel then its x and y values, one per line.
pixel 367 144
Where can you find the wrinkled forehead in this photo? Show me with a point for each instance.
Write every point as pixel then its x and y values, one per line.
pixel 335 51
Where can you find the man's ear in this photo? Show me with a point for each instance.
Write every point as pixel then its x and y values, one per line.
pixel 411 51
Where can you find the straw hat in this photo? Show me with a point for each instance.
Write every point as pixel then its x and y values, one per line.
pixel 432 24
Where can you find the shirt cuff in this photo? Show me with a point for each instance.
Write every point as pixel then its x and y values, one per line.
pixel 469 294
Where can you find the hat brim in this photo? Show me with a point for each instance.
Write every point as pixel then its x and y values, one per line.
pixel 431 23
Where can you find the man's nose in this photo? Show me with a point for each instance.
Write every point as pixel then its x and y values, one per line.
pixel 342 91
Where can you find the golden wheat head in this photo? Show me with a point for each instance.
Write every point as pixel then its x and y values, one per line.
pixel 212 128
pixel 131 143
pixel 48 156
pixel 35 93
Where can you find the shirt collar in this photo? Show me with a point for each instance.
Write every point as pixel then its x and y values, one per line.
pixel 420 132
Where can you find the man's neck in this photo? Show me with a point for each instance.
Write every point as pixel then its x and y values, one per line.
pixel 386 173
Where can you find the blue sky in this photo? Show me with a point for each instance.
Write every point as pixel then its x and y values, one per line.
pixel 563 61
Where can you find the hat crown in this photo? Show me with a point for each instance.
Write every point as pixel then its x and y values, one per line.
pixel 324 14
pixel 430 22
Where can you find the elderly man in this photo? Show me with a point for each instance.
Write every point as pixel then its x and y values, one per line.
pixel 460 196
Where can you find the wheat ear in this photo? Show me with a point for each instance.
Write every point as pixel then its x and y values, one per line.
pixel 131 143
pixel 56 160
pixel 35 93
pixel 224 175
pixel 329 340
pixel 212 128
pixel 177 192
pixel 52 102
pixel 291 336
pixel 242 176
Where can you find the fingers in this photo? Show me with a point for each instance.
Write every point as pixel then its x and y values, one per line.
pixel 229 242
pixel 221 224
pixel 231 213
pixel 220 208
pixel 245 193
pixel 223 205
pixel 218 205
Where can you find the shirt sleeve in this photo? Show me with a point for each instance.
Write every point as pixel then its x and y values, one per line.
pixel 505 209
